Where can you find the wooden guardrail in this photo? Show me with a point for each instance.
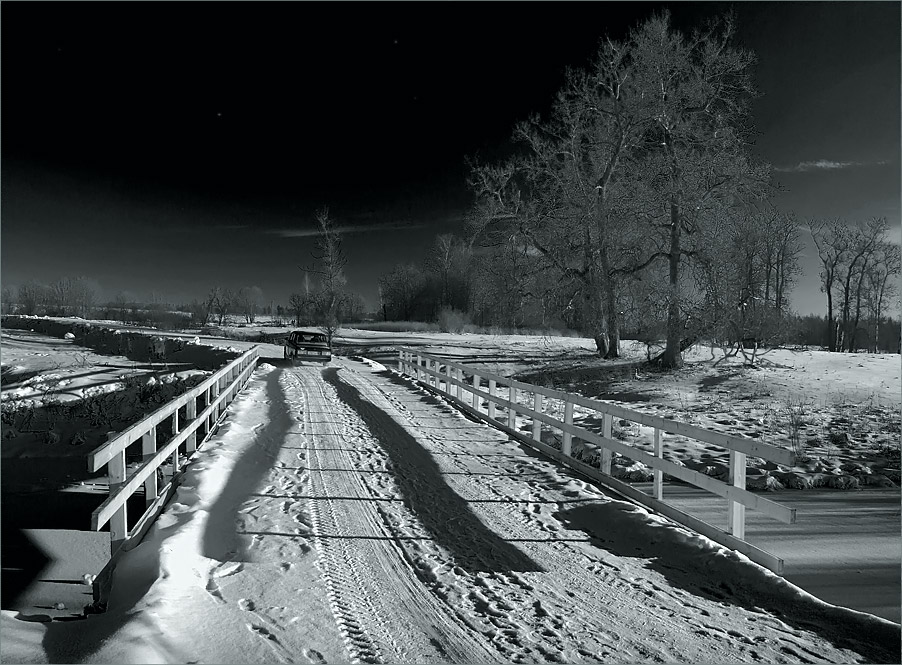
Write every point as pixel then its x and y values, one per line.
pixel 186 416
pixel 447 377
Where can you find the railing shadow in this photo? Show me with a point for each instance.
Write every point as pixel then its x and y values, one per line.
pixel 622 530
pixel 444 514
pixel 245 478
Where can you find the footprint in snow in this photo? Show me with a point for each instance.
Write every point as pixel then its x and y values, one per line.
pixel 314 656
pixel 247 605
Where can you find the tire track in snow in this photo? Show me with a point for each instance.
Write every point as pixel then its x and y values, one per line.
pixel 376 595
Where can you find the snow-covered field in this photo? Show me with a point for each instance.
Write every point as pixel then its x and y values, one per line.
pixel 340 515
pixel 344 514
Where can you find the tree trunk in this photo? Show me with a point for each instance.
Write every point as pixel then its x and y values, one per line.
pixel 672 357
pixel 857 309
pixel 610 303
pixel 602 344
pixel 831 336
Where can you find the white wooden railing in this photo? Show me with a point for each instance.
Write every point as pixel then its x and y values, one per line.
pixel 448 378
pixel 216 393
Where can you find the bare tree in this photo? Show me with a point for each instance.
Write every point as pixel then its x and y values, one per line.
pixel 33 297
pixel 782 250
pixel 7 300
pixel 248 300
pixel 400 288
pixel 832 240
pixel 331 264
pixel 881 287
pixel 864 241
pixel 696 152
pixel 736 268
pixel 442 261
pixel 845 251
pixel 299 304
pixel 220 302
pixel 635 155
pixel 61 296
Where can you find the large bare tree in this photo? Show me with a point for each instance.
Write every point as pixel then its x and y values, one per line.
pixel 635 154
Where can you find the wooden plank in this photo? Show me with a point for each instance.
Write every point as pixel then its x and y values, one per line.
pixel 567 442
pixel 737 479
pixel 119 518
pixel 536 422
pixel 659 475
pixel 726 441
pixel 512 408
pixel 190 415
pixel 148 450
pixel 175 431
pixel 607 455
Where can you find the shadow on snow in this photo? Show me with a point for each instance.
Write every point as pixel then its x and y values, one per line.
pixel 446 515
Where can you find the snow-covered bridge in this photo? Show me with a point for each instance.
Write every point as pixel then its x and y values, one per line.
pixel 342 515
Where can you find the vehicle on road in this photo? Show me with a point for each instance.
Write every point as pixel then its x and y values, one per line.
pixel 307 345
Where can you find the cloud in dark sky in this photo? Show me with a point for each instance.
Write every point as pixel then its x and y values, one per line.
pixel 348 228
pixel 826 165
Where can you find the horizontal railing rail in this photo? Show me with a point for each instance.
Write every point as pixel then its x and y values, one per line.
pixel 216 393
pixel 427 370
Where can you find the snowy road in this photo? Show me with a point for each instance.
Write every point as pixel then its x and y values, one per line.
pixel 341 515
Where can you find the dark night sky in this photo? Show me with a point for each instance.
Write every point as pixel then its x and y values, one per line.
pixel 169 147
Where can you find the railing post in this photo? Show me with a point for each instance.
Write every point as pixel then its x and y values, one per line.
pixel 175 453
pixel 190 415
pixel 737 479
pixel 536 423
pixel 459 375
pixel 419 363
pixel 119 520
pixel 148 450
pixel 659 475
pixel 567 442
pixel 511 412
pixel 476 384
pixel 401 360
pixel 207 401
pixel 606 453
pixel 491 401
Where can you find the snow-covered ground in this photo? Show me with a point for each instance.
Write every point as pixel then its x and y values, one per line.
pixel 341 515
pixel 487 594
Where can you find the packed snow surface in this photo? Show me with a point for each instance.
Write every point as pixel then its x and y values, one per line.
pixel 342 515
